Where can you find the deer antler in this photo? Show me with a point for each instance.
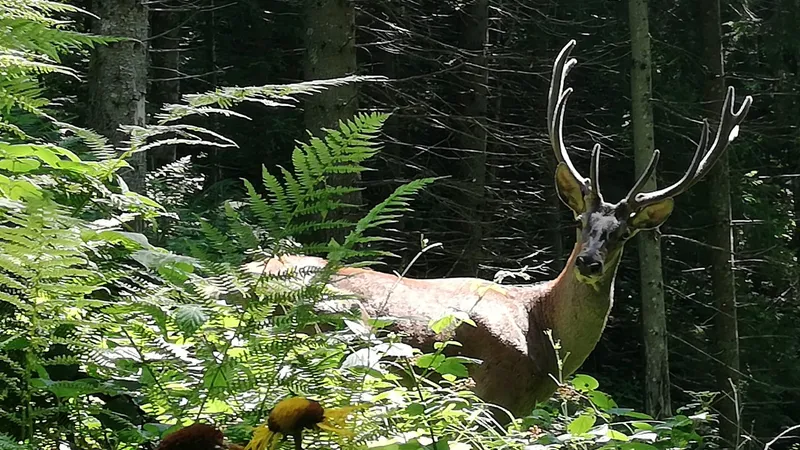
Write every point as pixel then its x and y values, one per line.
pixel 704 157
pixel 556 106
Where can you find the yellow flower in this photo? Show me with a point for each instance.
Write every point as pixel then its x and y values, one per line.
pixel 290 416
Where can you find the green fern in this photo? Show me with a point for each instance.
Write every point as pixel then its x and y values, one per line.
pixel 181 338
pixel 271 95
pixel 30 45
pixel 291 205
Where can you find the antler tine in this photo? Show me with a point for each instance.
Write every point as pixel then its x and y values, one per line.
pixel 728 130
pixel 561 67
pixel 643 199
pixel 648 172
pixel 594 173
pixel 705 157
pixel 556 107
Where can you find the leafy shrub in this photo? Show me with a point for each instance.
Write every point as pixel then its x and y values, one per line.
pixel 109 341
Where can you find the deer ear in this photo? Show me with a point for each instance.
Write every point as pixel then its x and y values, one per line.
pixel 569 189
pixel 652 216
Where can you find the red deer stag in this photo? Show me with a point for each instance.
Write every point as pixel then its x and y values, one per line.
pixel 518 360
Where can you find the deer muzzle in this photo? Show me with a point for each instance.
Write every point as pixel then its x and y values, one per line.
pixel 589 264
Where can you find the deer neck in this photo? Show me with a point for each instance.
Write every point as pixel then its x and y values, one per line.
pixel 579 311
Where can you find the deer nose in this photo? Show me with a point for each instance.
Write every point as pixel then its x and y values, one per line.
pixel 588 266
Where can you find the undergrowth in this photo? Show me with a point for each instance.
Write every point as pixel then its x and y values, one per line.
pixel 111 338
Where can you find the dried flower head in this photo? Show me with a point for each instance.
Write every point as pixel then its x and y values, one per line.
pixel 198 436
pixel 290 416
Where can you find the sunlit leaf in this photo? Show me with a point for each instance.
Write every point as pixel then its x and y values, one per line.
pixel 190 318
pixel 581 424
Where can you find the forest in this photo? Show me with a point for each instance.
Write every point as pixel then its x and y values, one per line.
pixel 399 225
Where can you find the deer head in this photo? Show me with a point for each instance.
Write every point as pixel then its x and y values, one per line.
pixel 603 227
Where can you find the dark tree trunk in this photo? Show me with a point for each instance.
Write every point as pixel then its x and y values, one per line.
pixel 330 52
pixel 654 320
pixel 118 77
pixel 726 336
pixel 471 138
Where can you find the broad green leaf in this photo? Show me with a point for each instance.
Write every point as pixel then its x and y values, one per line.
pixel 445 344
pixel 617 436
pixel 449 321
pixel 585 383
pixel 429 360
pixel 679 421
pixel 641 426
pixel 415 409
pixel 190 318
pixel 21 165
pixel 441 323
pixel 601 400
pixel 452 366
pixel 581 424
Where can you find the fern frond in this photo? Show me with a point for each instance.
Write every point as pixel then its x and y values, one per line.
pixel 385 212
pixel 268 95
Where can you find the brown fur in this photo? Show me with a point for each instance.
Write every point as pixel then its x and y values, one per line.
pixel 518 359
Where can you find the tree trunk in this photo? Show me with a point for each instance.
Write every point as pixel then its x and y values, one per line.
pixel 791 64
pixel 165 58
pixel 654 322
pixel 330 52
pixel 726 336
pixel 471 132
pixel 118 77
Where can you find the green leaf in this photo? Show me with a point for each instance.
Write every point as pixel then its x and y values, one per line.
pixel 585 383
pixel 429 360
pixel 21 165
pixel 441 323
pixel 601 400
pixel 445 344
pixel 629 413
pixel 217 406
pixel 452 366
pixel 617 436
pixel 581 424
pixel 15 343
pixel 190 318
pixel 678 421
pixel 415 409
pixel 450 320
